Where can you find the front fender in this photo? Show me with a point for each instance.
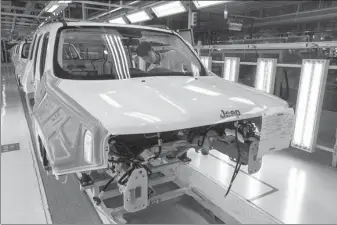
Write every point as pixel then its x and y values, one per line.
pixel 61 124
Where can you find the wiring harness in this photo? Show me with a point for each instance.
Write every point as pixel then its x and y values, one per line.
pixel 238 161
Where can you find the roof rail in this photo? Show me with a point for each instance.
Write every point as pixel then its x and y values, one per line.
pixel 53 19
pixel 159 26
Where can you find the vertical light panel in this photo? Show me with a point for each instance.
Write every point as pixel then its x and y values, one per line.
pixel 231 69
pixel 309 103
pixel 141 64
pixel 207 61
pixel 265 75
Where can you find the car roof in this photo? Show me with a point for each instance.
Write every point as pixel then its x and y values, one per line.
pixel 84 23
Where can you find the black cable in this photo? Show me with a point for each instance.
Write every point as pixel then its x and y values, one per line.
pixel 110 181
pixel 238 162
pixel 126 175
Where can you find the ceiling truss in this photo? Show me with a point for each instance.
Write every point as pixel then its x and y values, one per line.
pixel 17 15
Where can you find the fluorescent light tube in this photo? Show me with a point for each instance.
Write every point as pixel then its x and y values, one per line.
pixel 119 20
pixel 204 4
pixel 167 9
pixel 265 75
pixel 53 8
pixel 65 2
pixel 231 69
pixel 139 16
pixel 132 3
pixel 309 103
pixel 207 61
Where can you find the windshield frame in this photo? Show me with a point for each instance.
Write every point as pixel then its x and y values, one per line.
pixel 60 73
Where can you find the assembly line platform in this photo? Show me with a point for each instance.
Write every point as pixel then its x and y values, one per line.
pixel 286 190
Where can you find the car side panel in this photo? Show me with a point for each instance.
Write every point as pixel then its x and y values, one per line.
pixel 62 124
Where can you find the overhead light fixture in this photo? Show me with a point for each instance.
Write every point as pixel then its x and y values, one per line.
pixel 119 20
pixel 231 69
pixel 65 2
pixel 309 103
pixel 138 17
pixel 53 8
pixel 204 4
pixel 132 3
pixel 167 9
pixel 113 10
pixel 265 74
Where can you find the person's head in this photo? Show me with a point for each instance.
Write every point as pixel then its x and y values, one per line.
pixel 146 52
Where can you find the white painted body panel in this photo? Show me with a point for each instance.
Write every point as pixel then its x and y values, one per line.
pixel 166 103
pixel 27 78
pixel 20 67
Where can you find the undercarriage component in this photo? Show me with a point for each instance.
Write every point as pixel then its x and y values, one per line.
pixel 135 191
pixel 164 172
pixel 85 180
pixel 137 163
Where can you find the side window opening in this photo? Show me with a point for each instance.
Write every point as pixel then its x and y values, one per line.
pixel 25 50
pixel 35 55
pixel 44 54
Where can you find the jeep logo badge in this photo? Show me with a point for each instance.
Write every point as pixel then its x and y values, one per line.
pixel 226 114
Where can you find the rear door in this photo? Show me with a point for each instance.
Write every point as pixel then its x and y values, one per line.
pixel 23 58
pixel 27 80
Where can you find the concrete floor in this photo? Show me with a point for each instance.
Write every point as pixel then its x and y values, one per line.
pixel 293 186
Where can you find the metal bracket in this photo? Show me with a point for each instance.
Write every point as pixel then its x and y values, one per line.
pixel 136 191
pixel 254 163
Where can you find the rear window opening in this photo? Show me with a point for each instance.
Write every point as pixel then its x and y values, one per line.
pixel 25 50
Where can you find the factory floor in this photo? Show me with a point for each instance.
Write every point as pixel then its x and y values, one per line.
pixel 293 186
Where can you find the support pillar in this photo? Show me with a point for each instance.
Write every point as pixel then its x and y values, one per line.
pixel 334 154
pixel 84 12
pixel 189 25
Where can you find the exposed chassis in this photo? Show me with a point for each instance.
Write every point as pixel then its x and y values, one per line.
pixel 208 193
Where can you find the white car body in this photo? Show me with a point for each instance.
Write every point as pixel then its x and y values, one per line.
pixel 67 113
pixel 14 54
pixel 20 59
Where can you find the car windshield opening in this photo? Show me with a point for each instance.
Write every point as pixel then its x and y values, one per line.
pixel 96 53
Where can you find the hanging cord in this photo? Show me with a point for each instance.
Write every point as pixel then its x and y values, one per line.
pixel 107 184
pixel 238 162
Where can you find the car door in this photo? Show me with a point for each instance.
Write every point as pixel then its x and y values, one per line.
pixel 16 54
pixel 28 68
pixel 23 58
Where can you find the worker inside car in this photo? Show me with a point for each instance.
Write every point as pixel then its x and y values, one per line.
pixel 171 60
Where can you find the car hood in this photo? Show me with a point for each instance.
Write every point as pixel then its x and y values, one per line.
pixel 156 104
